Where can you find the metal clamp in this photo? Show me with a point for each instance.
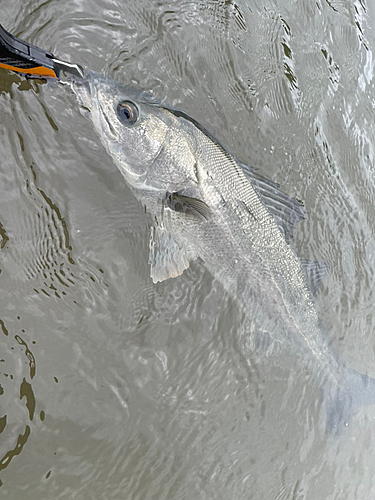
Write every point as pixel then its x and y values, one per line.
pixel 20 56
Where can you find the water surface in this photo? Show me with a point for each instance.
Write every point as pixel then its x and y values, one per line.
pixel 112 387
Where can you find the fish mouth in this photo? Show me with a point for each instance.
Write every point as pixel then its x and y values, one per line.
pixel 82 90
pixel 105 120
pixel 86 88
pixel 88 98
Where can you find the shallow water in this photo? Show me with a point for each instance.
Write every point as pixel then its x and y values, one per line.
pixel 113 387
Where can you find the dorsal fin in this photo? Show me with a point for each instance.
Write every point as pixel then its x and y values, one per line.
pixel 285 210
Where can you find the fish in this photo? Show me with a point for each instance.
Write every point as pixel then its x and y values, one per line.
pixel 205 204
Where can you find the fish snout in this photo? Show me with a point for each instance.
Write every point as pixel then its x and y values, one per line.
pixel 83 90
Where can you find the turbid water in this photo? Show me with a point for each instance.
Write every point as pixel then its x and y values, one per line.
pixel 114 387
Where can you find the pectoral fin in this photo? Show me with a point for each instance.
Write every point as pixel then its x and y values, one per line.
pixel 191 207
pixel 167 259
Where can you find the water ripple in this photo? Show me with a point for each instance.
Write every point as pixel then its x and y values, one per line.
pixel 164 390
pixel 40 244
pixel 17 423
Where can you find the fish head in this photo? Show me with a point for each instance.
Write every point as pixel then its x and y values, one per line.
pixel 141 135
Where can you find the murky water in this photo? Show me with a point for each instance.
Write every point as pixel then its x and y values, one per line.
pixel 114 388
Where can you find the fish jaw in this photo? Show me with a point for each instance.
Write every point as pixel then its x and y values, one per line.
pixel 82 90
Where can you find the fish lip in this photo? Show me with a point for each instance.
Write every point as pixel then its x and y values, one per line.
pixel 87 95
pixel 82 90
pixel 108 123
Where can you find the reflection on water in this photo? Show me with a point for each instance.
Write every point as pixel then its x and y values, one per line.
pixel 113 387
pixel 13 391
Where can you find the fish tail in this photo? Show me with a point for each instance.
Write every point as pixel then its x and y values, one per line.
pixel 343 400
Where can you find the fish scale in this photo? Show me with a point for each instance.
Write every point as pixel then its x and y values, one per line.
pixel 251 218
pixel 206 204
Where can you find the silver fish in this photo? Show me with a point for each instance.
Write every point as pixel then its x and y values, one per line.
pixel 206 204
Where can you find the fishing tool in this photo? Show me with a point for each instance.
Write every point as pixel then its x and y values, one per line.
pixel 22 57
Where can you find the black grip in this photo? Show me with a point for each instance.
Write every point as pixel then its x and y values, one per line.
pixel 21 56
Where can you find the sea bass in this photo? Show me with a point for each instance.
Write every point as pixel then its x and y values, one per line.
pixel 205 204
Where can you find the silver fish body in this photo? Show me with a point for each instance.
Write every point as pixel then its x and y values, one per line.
pixel 206 204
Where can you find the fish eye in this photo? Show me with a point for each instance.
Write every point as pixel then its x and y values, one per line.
pixel 127 113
